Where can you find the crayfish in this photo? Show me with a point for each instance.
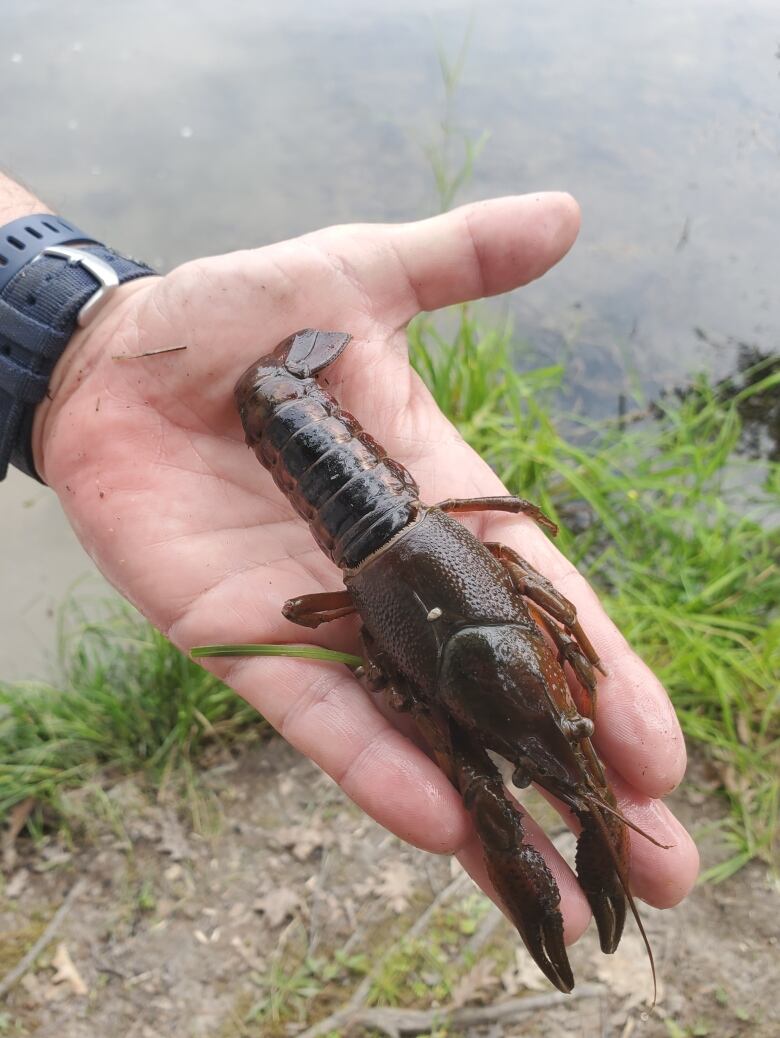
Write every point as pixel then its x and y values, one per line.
pixel 467 637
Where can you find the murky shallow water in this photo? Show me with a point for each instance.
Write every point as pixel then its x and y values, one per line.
pixel 179 130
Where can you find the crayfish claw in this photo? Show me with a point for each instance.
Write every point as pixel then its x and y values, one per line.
pixel 610 915
pixel 519 873
pixel 547 948
pixel 602 869
pixel 602 863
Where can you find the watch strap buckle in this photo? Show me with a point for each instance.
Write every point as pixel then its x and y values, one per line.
pixel 103 273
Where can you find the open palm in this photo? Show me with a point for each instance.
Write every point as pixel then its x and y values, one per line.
pixel 147 456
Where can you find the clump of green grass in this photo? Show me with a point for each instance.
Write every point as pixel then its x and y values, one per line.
pixel 128 702
pixel 677 531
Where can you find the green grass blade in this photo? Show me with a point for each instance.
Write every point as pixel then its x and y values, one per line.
pixel 304 652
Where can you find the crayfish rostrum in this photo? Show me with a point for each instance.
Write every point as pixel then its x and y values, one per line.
pixel 465 636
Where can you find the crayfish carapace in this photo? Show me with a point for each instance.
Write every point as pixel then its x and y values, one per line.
pixel 466 636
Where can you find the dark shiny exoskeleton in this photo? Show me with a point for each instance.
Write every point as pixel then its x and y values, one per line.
pixel 337 476
pixel 464 635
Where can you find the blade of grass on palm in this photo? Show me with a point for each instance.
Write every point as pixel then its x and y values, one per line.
pixel 306 652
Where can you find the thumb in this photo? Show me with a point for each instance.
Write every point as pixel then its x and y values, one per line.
pixel 481 249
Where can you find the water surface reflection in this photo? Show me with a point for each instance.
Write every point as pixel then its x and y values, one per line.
pixel 180 130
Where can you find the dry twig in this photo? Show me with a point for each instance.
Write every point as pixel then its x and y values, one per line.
pixel 396 1023
pixel 354 1008
pixel 19 970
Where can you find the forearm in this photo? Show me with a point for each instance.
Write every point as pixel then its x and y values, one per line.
pixel 16 201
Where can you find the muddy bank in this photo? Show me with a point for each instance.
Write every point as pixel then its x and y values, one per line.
pixel 274 922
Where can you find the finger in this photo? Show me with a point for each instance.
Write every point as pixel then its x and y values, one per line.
pixel 478 250
pixel 661 876
pixel 365 279
pixel 663 872
pixel 329 717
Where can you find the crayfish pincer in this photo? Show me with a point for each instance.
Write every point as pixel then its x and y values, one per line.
pixel 465 636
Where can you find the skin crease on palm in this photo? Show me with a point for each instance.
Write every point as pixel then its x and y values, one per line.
pixel 148 459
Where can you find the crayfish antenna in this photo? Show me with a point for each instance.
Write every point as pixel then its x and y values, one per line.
pixel 626 821
pixel 624 884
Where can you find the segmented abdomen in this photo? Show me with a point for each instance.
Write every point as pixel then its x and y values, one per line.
pixel 336 476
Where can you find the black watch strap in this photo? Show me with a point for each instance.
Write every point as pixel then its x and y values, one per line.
pixel 40 307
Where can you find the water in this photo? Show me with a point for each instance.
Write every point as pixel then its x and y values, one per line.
pixel 180 130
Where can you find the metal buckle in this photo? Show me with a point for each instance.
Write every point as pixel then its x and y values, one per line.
pixel 102 272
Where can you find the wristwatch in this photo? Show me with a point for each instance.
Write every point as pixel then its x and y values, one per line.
pixel 53 278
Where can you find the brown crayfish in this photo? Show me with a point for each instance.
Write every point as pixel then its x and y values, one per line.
pixel 454 632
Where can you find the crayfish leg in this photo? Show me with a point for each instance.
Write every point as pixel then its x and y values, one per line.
pixel 402 696
pixel 517 870
pixel 505 503
pixel 539 590
pixel 313 610
pixel 569 652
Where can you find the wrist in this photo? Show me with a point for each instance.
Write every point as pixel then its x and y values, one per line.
pixel 87 347
pixel 16 201
pixel 58 285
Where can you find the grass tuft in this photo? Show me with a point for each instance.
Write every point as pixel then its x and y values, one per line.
pixel 128 702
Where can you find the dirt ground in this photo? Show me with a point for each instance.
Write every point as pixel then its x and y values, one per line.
pixel 275 902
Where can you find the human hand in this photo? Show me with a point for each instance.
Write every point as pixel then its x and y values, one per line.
pixel 148 458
